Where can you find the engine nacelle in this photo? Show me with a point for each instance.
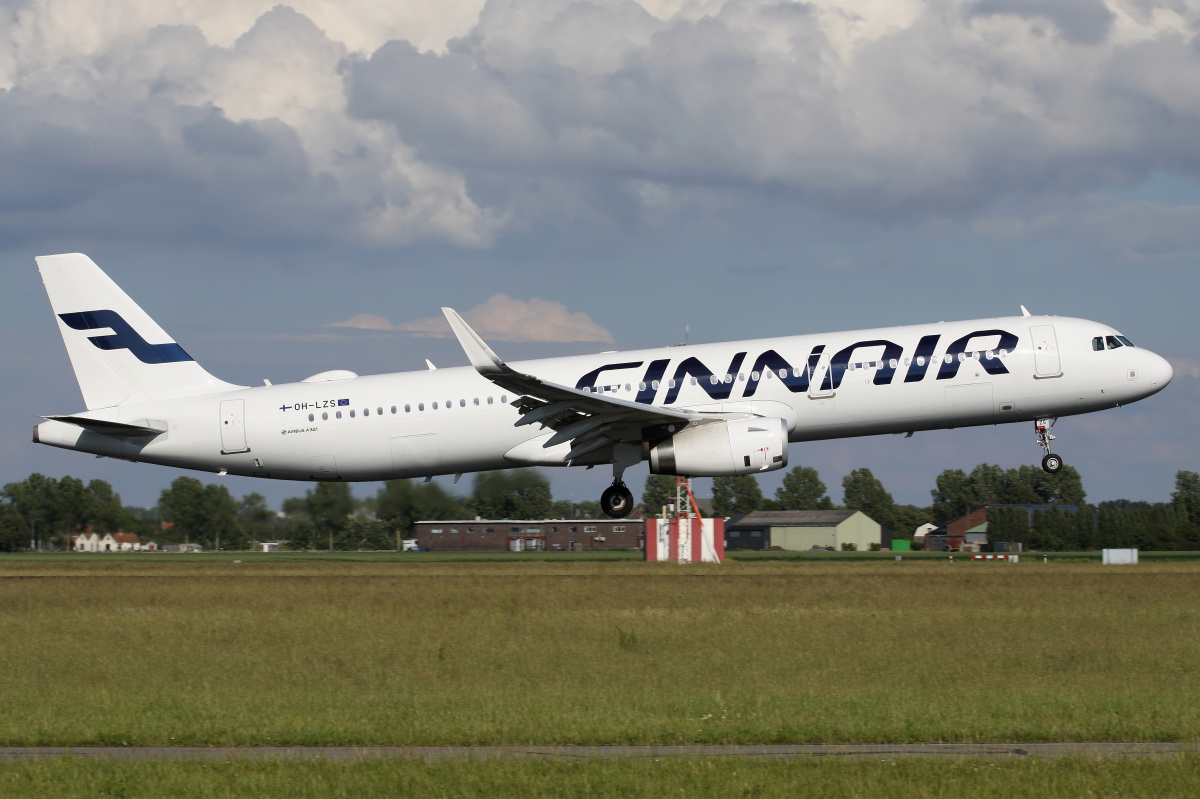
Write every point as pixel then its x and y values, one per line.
pixel 723 449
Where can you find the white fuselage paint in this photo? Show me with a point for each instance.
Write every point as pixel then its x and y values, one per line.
pixel 467 433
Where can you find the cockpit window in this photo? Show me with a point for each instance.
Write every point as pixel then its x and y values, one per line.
pixel 1113 343
pixel 1098 343
pixel 1125 341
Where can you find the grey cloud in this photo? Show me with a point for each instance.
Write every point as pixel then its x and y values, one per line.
pixel 166 136
pixel 217 135
pixel 1084 21
pixel 1141 232
pixel 552 111
pixel 930 120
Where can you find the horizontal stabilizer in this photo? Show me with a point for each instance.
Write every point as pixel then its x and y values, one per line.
pixel 152 427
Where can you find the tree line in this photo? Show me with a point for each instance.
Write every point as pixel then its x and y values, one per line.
pixel 1068 524
pixel 329 516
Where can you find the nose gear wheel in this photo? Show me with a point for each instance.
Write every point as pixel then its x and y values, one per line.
pixel 1051 462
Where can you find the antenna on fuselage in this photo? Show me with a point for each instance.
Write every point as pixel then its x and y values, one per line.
pixel 1025 311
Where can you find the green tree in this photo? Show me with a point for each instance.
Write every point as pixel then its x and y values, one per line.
pixel 200 514
pixel 907 518
pixel 1186 495
pixel 365 534
pixel 14 532
pixel 953 496
pixel 738 494
pixel 256 518
pixel 511 494
pixel 183 507
pixel 221 529
pixel 861 490
pixel 802 489
pixel 1008 524
pixel 658 491
pixel 401 503
pixel 329 506
pixel 590 509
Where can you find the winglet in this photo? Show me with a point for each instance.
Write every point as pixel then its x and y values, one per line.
pixel 1025 311
pixel 486 362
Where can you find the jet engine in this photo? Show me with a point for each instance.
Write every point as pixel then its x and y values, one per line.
pixel 723 449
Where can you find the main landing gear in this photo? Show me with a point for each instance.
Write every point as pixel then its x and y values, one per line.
pixel 617 500
pixel 1051 462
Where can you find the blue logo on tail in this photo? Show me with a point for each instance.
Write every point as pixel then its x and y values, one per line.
pixel 124 337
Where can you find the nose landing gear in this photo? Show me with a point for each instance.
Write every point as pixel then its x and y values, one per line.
pixel 1051 462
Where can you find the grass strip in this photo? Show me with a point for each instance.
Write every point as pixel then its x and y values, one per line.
pixel 346 653
pixel 621 779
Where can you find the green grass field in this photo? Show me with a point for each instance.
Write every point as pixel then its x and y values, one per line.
pixel 187 650
pixel 629 779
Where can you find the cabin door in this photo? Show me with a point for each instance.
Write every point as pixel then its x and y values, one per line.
pixel 1046 362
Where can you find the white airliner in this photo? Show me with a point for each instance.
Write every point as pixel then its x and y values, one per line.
pixel 703 410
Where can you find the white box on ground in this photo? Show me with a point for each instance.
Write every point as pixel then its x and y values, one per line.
pixel 1120 557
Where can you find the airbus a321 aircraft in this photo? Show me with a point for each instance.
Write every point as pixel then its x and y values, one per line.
pixel 704 410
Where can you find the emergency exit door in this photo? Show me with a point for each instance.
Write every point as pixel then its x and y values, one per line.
pixel 233 427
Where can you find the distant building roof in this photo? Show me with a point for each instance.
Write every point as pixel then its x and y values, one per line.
pixel 605 520
pixel 793 518
pixel 125 538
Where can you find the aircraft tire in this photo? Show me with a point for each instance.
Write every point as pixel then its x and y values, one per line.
pixel 1052 463
pixel 616 501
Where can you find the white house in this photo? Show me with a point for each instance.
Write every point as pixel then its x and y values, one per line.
pixel 86 542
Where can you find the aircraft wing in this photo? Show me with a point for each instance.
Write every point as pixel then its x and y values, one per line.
pixel 588 420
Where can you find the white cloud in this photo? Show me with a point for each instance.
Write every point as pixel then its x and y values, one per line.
pixel 458 120
pixel 1185 367
pixel 141 103
pixel 501 318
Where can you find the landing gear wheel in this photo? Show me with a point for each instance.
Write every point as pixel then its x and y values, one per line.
pixel 1051 462
pixel 616 501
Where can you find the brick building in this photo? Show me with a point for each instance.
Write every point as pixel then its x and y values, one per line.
pixel 525 535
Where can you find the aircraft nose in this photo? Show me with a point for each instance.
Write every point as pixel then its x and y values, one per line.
pixel 1161 371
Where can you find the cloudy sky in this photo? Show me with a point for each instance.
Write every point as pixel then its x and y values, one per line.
pixel 294 188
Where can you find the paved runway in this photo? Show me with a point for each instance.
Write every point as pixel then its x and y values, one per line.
pixel 786 752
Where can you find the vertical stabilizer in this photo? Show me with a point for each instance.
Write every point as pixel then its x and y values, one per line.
pixel 118 352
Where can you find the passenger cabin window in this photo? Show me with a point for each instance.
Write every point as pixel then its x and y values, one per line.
pixel 394 409
pixel 311 418
pixel 338 414
pixel 407 409
pixel 351 414
pixel 1098 344
pixel 324 416
pixel 1113 343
